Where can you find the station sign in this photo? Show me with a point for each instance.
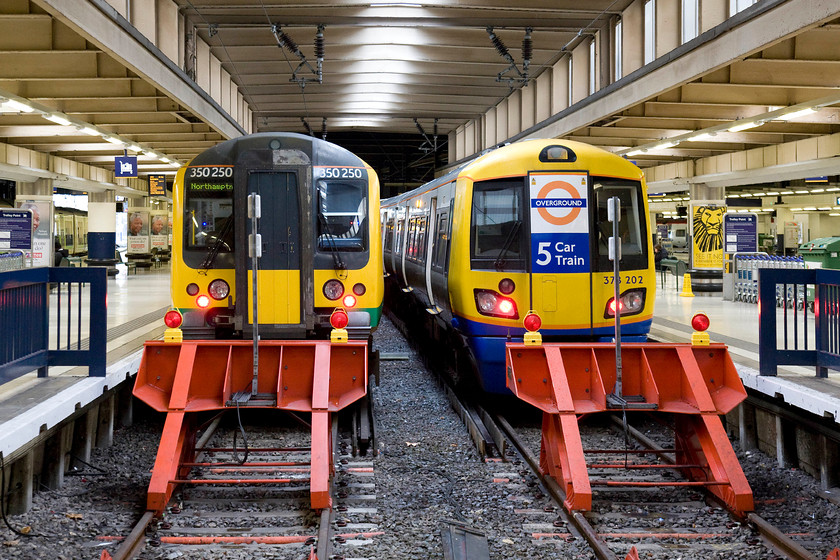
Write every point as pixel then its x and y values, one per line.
pixel 740 233
pixel 15 229
pixel 559 222
pixel 125 166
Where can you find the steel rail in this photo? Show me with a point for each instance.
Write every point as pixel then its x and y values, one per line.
pixel 575 519
pixel 781 542
pixel 134 543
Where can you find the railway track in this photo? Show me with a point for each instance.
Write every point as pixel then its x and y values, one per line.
pixel 654 515
pixel 254 496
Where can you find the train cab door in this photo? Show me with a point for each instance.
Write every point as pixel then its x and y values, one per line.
pixel 431 229
pixel 281 269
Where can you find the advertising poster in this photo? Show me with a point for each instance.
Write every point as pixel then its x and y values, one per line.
pixel 559 222
pixel 707 237
pixel 138 231
pixel 159 231
pixel 42 243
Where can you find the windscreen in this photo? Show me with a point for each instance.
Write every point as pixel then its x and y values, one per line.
pixel 342 211
pixel 631 228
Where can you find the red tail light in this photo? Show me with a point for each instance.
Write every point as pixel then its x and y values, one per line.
pixel 339 319
pixel 173 319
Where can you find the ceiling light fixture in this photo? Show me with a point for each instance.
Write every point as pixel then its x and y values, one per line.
pixel 797 114
pixel 16 106
pixel 57 118
pixel 89 130
pixel 745 126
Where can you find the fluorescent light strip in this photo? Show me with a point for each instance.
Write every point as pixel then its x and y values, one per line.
pixel 57 118
pixel 796 114
pixel 18 106
pixel 744 126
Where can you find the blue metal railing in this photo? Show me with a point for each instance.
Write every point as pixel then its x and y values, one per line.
pixel 809 333
pixel 26 329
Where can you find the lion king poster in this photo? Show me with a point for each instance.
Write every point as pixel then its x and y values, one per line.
pixel 707 236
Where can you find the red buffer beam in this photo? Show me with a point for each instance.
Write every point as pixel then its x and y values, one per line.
pixel 696 384
pixel 182 379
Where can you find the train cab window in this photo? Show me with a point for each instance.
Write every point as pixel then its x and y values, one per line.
pixel 342 211
pixel 208 217
pixel 631 227
pixel 497 239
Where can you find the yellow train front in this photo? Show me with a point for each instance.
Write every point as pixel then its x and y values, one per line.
pixel 319 248
pixel 521 228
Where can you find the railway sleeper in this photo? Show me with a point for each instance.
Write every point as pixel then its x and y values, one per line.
pixel 692 384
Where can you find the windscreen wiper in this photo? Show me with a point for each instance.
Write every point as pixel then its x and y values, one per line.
pixel 499 263
pixel 213 250
pixel 339 264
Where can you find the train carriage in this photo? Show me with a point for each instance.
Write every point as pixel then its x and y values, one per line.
pixel 320 249
pixel 521 228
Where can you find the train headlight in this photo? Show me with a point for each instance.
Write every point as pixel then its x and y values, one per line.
pixel 192 288
pixel 218 289
pixel 495 304
pixel 359 289
pixel 333 289
pixel 349 300
pixel 630 302
pixel 202 301
pixel 173 319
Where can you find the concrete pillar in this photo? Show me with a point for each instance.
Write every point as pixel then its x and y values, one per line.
pixel 712 12
pixel 668 20
pixel 829 463
pixel 632 37
pixel 102 226
pixel 746 427
pixel 56 450
pixel 84 435
pixel 785 443
pixel 105 432
pixel 19 498
pixel 125 406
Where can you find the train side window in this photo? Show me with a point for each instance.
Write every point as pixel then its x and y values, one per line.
pixel 441 241
pixel 342 214
pixel 420 242
pixel 398 245
pixel 631 227
pixel 389 234
pixel 497 238
pixel 411 252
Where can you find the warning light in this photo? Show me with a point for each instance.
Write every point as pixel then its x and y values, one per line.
pixel 202 301
pixel 349 300
pixel 173 319
pixel 700 322
pixel 339 319
pixel 532 322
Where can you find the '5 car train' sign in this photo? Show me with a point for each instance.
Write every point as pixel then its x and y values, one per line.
pixel 559 221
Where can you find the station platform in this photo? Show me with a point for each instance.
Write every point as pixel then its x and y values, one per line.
pixel 137 303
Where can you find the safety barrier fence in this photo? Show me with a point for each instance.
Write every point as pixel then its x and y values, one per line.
pixel 31 338
pixel 806 332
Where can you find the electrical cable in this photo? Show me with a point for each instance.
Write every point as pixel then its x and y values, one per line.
pixel 244 439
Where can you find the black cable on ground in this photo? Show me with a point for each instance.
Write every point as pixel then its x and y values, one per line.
pixel 244 439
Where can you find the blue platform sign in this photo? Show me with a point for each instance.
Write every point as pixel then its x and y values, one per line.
pixel 125 166
pixel 559 221
pixel 740 233
pixel 15 229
